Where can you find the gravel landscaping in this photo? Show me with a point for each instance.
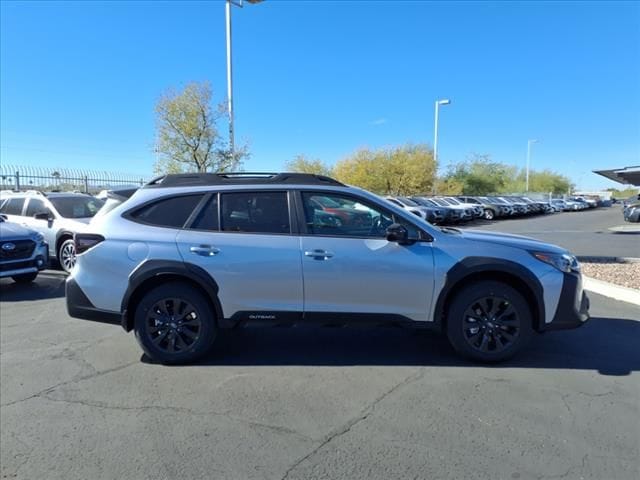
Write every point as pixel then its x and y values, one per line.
pixel 620 273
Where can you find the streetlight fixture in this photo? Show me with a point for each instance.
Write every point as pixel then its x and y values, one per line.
pixel 444 101
pixel 237 3
pixel 529 143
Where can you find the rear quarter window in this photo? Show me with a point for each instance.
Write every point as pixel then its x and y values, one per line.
pixel 171 212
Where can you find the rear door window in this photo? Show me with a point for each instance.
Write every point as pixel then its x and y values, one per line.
pixel 207 218
pixel 255 212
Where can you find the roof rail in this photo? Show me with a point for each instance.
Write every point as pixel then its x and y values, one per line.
pixel 240 178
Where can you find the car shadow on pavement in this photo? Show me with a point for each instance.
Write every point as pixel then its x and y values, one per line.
pixel 607 345
pixel 44 287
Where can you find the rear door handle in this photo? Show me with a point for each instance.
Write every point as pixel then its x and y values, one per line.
pixel 204 250
pixel 318 254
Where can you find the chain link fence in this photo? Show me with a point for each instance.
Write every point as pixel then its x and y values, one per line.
pixel 20 177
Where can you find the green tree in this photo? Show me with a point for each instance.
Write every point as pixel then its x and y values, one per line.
pixel 479 175
pixel 548 181
pixel 302 164
pixel 405 170
pixel 188 138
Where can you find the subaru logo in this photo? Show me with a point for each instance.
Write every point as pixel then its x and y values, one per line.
pixel 8 247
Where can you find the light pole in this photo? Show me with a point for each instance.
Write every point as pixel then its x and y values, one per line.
pixel 444 101
pixel 228 3
pixel 529 143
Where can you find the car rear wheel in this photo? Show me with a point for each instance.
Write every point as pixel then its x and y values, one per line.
pixel 25 277
pixel 67 255
pixel 489 322
pixel 174 324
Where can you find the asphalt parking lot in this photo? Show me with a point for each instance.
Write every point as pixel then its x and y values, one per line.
pixel 79 402
pixel 585 233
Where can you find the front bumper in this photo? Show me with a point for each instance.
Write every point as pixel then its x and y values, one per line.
pixel 79 306
pixel 573 307
pixel 38 260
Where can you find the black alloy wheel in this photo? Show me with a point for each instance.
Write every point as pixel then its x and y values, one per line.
pixel 174 323
pixel 491 324
pixel 489 321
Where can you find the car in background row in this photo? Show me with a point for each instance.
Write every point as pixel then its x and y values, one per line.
pixel 476 210
pixel 431 214
pixel 463 214
pixel 23 252
pixel 451 215
pixel 490 210
pixel 57 216
pixel 631 213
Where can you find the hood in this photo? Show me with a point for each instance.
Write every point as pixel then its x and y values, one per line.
pixel 509 240
pixel 14 231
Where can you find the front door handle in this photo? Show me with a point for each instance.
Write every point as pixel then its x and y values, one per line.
pixel 204 250
pixel 318 254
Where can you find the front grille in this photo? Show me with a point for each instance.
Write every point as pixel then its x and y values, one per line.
pixel 5 267
pixel 21 249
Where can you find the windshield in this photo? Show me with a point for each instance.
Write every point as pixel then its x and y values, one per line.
pixel 76 207
pixel 453 201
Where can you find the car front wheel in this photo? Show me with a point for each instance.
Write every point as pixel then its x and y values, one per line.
pixel 489 321
pixel 67 255
pixel 174 324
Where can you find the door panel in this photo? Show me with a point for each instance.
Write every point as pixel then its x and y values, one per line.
pixel 349 266
pixel 255 272
pixel 368 276
pixel 249 251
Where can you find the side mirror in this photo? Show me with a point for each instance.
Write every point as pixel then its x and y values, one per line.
pixel 398 233
pixel 43 216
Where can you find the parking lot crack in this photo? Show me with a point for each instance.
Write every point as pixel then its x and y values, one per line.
pixel 141 408
pixel 569 471
pixel 69 382
pixel 362 416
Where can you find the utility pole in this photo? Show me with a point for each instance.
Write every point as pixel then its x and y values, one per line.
pixel 529 143
pixel 444 101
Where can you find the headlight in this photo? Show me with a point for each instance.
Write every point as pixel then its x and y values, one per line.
pixel 38 238
pixel 562 261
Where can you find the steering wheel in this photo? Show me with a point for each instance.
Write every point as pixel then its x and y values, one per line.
pixel 378 226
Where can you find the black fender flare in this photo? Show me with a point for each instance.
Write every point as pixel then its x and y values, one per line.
pixel 155 269
pixel 472 268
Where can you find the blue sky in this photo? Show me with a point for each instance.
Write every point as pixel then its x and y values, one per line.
pixel 79 80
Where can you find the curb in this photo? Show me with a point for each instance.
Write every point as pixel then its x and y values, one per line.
pixel 623 294
pixel 605 259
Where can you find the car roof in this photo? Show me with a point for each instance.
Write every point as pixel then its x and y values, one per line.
pixel 240 178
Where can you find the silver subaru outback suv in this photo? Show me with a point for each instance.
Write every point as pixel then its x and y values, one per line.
pixel 188 255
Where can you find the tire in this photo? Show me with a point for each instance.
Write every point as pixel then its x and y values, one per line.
pixel 489 322
pixel 67 255
pixel 489 214
pixel 25 277
pixel 161 333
